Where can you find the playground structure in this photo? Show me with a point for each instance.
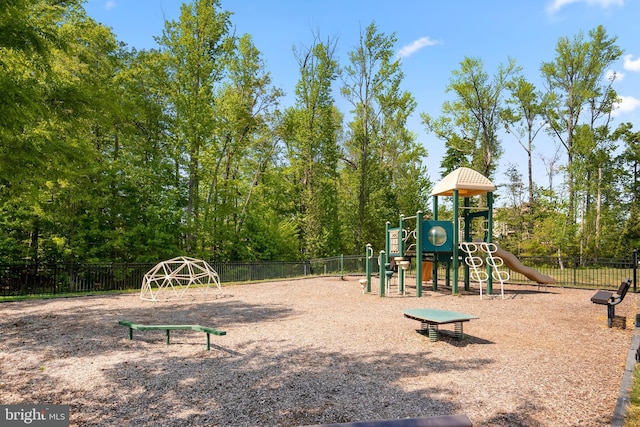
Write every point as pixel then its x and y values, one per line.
pixel 171 279
pixel 435 241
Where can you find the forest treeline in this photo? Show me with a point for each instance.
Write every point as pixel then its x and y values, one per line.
pixel 114 154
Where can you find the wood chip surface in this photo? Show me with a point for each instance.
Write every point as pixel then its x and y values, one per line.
pixel 318 351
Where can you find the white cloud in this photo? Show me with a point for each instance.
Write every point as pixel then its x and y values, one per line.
pixel 416 45
pixel 631 64
pixel 626 105
pixel 555 5
pixel 110 4
pixel 612 75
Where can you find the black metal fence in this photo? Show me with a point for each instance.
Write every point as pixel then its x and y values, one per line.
pixel 601 273
pixel 255 271
pixel 48 279
pixel 605 273
pixel 43 279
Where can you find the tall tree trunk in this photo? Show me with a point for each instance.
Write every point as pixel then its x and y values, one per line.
pixel 530 170
pixel 362 193
pixel 581 232
pixel 35 238
pixel 598 211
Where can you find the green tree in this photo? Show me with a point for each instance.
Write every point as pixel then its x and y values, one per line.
pixel 243 148
pixel 575 82
pixel 630 160
pixel 469 124
pixel 138 162
pixel 33 95
pixel 630 236
pixel 515 186
pixel 70 100
pixel 525 120
pixel 629 175
pixel 594 171
pixel 550 233
pixel 381 155
pixel 312 130
pixel 196 48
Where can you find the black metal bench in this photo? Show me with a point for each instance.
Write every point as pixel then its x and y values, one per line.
pixel 611 299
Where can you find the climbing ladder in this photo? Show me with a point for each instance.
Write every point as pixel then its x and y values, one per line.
pixel 476 262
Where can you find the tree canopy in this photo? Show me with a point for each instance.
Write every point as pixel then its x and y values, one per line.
pixel 111 154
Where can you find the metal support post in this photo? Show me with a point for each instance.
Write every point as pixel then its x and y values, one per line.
pixel 381 261
pixel 368 262
pixel 419 254
pixel 454 260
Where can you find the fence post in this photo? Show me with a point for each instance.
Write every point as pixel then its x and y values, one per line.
pixel 341 266
pixel 635 270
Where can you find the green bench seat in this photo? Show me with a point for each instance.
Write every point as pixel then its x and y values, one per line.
pixel 168 328
pixel 431 318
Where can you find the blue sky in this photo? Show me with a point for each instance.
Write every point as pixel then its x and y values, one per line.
pixel 433 38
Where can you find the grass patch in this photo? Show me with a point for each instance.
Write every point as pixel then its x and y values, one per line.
pixel 65 295
pixel 633 411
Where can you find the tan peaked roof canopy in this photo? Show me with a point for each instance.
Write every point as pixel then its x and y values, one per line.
pixel 467 181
